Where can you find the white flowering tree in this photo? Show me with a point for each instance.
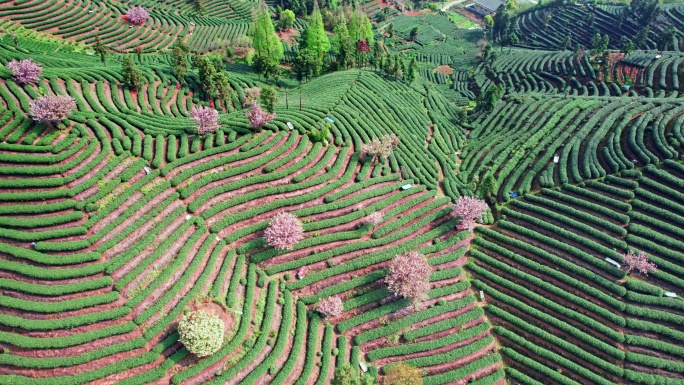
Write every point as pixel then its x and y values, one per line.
pixel 201 333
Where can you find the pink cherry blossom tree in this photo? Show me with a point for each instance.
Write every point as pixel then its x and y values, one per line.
pixel 50 109
pixel 284 231
pixel 137 15
pixel 25 71
pixel 330 307
pixel 638 263
pixel 206 118
pixel 380 149
pixel 409 276
pixel 258 117
pixel 375 218
pixel 469 209
pixel 251 94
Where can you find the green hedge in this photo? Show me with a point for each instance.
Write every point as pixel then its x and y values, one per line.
pixel 411 319
pixel 553 321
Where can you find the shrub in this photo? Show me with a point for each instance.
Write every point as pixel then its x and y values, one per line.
pixel 201 333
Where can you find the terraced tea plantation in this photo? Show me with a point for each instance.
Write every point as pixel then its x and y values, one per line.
pixel 121 218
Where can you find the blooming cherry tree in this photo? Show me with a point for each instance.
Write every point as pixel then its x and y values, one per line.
pixel 206 118
pixel 201 333
pixel 381 148
pixel 284 231
pixel 25 71
pixel 409 276
pixel 638 263
pixel 469 209
pixel 50 109
pixel 330 307
pixel 258 117
pixel 375 218
pixel 251 94
pixel 137 15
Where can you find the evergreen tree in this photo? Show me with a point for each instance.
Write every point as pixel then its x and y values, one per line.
pixel 378 55
pixel 205 69
pixel 413 34
pixel 299 7
pixel 304 64
pixel 101 50
pixel 411 71
pixel 268 51
pixel 219 84
pixel 490 98
pixel 488 187
pixel 567 43
pixel 132 76
pixel 360 28
pixel 316 38
pixel 627 47
pixel 199 7
pixel 180 62
pixel 269 96
pixel 286 21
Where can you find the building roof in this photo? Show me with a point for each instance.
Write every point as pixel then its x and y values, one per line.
pixel 491 5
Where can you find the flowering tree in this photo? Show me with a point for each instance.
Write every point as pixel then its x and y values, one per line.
pixel 51 109
pixel 401 373
pixel 206 118
pixel 137 15
pixel 409 276
pixel 380 148
pixel 25 71
pixel 330 307
pixel 201 333
pixel 284 231
pixel 638 263
pixel 375 218
pixel 469 209
pixel 251 94
pixel 257 116
pixel 362 47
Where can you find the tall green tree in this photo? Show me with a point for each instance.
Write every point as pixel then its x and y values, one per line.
pixel 488 187
pixel 199 7
pixel 360 28
pixel 205 69
pixel 132 76
pixel 411 70
pixel 180 61
pixel 304 64
pixel 627 47
pixel 101 50
pixel 267 47
pixel 269 96
pixel 316 38
pixel 286 21
pixel 567 42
